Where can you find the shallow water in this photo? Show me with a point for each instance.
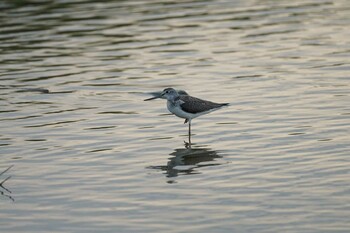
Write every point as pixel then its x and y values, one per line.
pixel 92 156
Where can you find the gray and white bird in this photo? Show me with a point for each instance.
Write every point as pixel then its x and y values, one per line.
pixel 185 106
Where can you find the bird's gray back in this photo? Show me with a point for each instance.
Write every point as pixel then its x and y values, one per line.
pixel 195 105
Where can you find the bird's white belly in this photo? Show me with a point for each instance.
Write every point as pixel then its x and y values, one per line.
pixel 175 109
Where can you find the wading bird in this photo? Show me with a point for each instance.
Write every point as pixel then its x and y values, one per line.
pixel 185 106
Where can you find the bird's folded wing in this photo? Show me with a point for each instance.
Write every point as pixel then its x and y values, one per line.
pixel 194 105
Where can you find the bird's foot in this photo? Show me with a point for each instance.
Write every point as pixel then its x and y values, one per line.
pixel 188 145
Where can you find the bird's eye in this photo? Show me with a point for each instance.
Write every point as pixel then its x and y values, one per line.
pixel 167 92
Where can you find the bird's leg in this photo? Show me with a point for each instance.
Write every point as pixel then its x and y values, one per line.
pixel 189 132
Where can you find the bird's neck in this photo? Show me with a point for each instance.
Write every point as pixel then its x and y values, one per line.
pixel 174 99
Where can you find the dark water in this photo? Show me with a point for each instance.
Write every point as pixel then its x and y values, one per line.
pixel 92 156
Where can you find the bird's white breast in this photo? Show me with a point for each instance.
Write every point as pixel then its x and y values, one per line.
pixel 176 109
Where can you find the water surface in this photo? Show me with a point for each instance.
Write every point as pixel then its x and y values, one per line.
pixel 89 155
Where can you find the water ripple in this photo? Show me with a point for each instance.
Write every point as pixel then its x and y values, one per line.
pixel 90 155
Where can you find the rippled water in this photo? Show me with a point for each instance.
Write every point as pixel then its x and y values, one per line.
pixel 92 156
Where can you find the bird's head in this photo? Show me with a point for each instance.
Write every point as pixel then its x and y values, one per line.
pixel 169 94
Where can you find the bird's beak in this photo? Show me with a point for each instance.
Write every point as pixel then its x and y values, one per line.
pixel 156 95
pixel 152 98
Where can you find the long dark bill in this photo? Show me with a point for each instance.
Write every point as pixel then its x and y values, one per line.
pixel 152 98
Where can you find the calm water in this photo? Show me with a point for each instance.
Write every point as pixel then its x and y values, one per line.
pixel 92 156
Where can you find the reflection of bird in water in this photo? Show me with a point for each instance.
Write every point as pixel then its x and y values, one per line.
pixel 187 161
pixel 185 106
